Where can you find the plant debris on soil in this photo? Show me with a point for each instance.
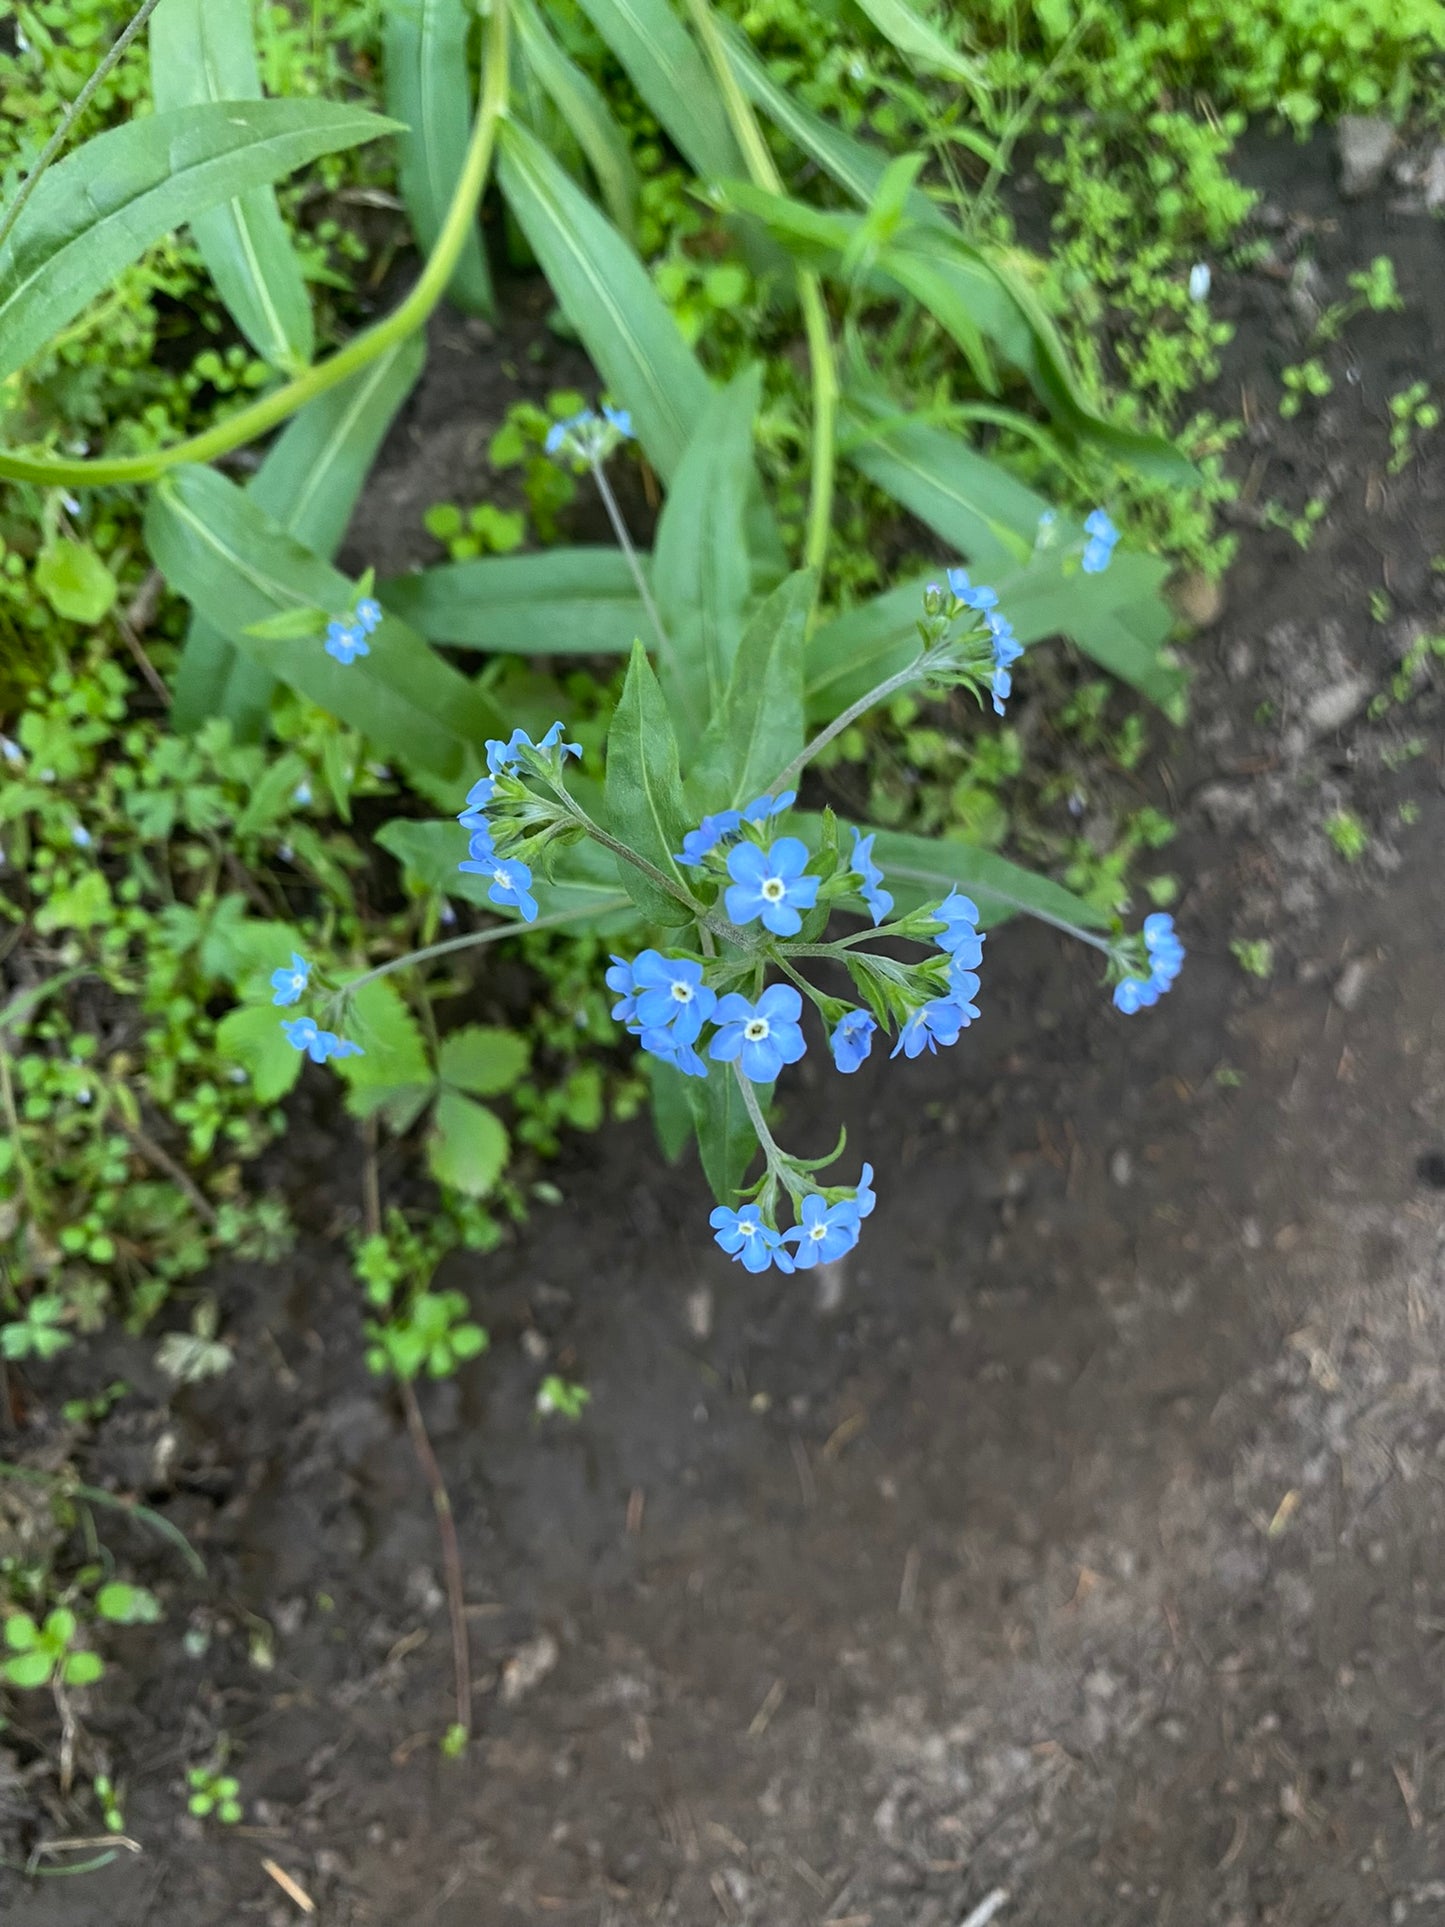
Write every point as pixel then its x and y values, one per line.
pixel 1074 1555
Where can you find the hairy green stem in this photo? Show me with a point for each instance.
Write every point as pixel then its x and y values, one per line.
pixel 247 423
pixel 759 1123
pixel 93 1495
pixel 880 693
pixel 72 114
pixel 822 360
pixel 634 563
pixel 493 934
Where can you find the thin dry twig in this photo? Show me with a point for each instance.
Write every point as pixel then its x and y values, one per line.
pixel 432 1473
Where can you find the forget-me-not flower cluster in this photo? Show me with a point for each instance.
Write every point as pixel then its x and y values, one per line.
pixel 346 635
pixel 1166 959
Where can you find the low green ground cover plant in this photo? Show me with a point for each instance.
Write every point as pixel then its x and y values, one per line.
pixel 780 234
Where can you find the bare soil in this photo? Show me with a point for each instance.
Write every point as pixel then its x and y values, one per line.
pixel 1076 1556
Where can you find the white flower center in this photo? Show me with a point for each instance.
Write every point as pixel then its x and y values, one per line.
pixel 817 1232
pixel 747 1227
pixel 500 875
pixel 755 1029
pixel 682 992
pixel 774 889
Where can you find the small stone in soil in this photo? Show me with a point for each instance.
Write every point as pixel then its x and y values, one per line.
pixel 1364 144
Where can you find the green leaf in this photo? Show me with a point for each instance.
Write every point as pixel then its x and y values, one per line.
pixel 758 729
pixel 726 1140
pixel 585 112
pixel 468 1146
pixel 483 1059
pixel 203 50
pixel 569 602
pixel 662 61
pixel 308 483
pixel 608 297
pixel 644 807
pixel 79 906
pixel 859 649
pixel 1119 617
pixel 29 1669
pixel 290 626
pixel 21 1632
pixel 671 1111
pixel 127 1605
pixel 60 1626
pixel 82 1669
pixel 700 569
pixel 987 287
pixel 252 1037
pixel 395 1058
pixel 74 581
pixel 238 567
pixel 102 206
pixel 920 869
pixel 583 884
pixel 921 43
pixel 428 89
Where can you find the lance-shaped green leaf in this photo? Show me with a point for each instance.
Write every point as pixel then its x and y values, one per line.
pixel 585 112
pixel 988 287
pixel 1119 618
pixel 758 729
pixel 664 64
pixel 104 205
pixel 308 483
pixel 700 568
pixel 643 805
pixel 726 1140
pixel 429 90
pixel 860 648
pixel 921 869
pixel 237 566
pixel 567 602
pixel 582 886
pixel 608 297
pixel 923 45
pixel 203 50
pixel 671 1111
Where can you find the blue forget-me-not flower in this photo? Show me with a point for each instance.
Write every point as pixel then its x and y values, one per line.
pixel 760 1037
pixel 768 882
pixel 852 1039
pixel 878 900
pixel 1099 549
pixel 289 983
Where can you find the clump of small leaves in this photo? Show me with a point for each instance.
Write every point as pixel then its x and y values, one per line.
pixel 214 1794
pixel 40 1652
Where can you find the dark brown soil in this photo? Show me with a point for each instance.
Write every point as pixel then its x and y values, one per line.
pixel 1077 1559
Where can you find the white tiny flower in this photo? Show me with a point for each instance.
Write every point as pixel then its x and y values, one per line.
pixel 1199 281
pixel 12 752
pixel 80 836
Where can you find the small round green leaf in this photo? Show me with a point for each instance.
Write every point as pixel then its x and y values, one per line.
pixel 468 1147
pixel 83 1669
pixel 74 581
pixel 28 1669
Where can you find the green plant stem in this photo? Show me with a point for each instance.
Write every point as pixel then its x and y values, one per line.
pixel 759 1123
pixel 493 934
pixel 880 693
pixel 432 1473
pixel 451 1553
pixel 95 1496
pixel 73 113
pixel 634 563
pixel 822 361
pixel 247 423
